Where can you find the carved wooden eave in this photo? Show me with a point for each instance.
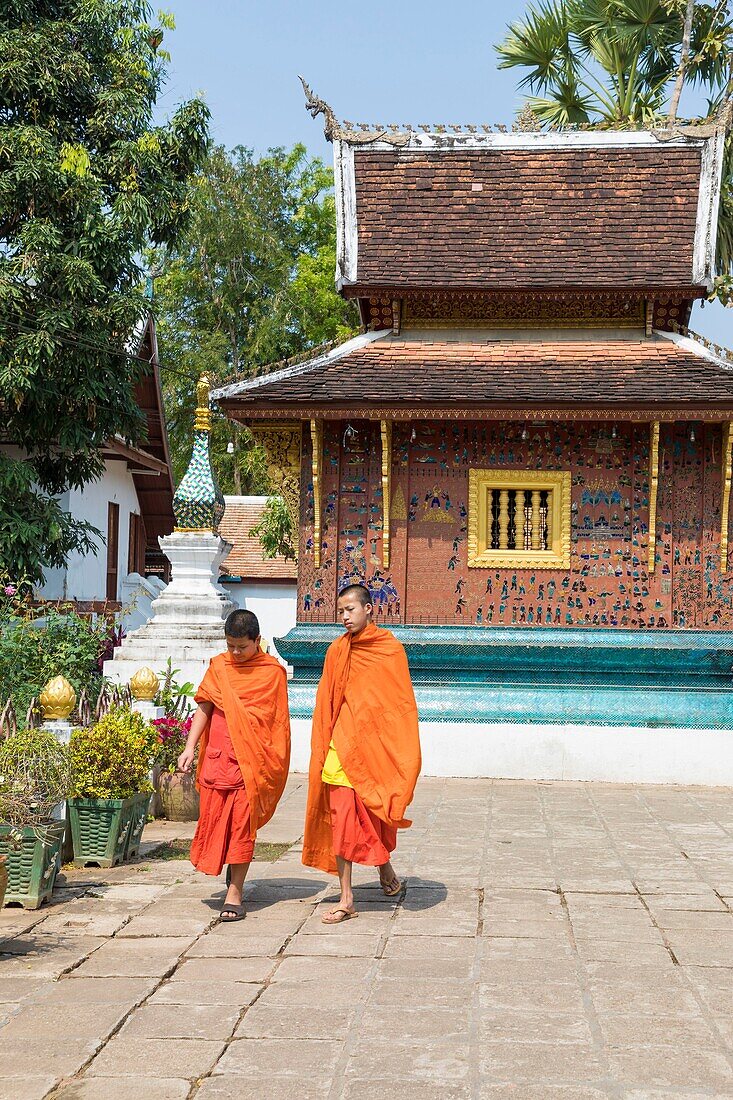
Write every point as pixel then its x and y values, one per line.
pixel 727 459
pixel 403 413
pixel 653 490
pixel 316 475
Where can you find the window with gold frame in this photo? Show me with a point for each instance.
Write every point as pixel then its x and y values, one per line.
pixel 519 518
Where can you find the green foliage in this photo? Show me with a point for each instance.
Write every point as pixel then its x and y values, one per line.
pixel 251 284
pixel 275 530
pixel 113 759
pixel 173 696
pixel 34 777
pixel 614 63
pixel 33 651
pixel 87 181
pixel 35 532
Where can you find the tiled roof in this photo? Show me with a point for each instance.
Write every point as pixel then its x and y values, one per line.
pixel 527 217
pixel 394 371
pixel 246 560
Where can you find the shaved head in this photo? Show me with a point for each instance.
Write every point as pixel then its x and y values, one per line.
pixel 358 592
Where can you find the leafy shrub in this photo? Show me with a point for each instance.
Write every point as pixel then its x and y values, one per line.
pixel 113 758
pixel 172 734
pixel 61 644
pixel 34 777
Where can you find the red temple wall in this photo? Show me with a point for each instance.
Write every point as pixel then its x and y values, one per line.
pixel 608 584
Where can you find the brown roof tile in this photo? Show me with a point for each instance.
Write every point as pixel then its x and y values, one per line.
pixel 246 559
pixel 493 217
pixel 413 373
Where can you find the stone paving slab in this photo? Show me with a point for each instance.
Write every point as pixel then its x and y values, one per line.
pixel 554 941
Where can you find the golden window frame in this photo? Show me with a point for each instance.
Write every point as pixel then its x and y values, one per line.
pixel 481 484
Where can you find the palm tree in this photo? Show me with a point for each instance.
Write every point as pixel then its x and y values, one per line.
pixel 622 63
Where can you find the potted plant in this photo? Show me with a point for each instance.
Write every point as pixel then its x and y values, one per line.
pixel 34 781
pixel 179 798
pixel 110 775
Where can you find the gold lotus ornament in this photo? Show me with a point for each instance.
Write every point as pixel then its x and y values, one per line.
pixel 144 684
pixel 57 699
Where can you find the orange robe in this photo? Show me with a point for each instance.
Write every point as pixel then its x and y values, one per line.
pixel 254 699
pixel 366 705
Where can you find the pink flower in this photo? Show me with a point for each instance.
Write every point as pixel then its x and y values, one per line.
pixel 10 589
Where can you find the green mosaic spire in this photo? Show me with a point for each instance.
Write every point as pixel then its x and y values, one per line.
pixel 198 503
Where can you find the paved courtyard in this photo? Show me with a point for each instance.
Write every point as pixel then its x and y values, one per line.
pixel 555 941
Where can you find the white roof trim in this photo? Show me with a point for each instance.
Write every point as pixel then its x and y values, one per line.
pixel 301 368
pixel 347 241
pixel 686 343
pixel 445 142
pixel 706 229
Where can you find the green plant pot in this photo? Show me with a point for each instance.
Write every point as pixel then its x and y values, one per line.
pixel 178 796
pixel 3 880
pixel 32 866
pixel 101 828
pixel 137 823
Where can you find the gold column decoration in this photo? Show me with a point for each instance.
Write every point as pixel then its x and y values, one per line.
pixel 725 504
pixel 386 488
pixel 519 518
pixel 57 699
pixel 653 489
pixel 202 422
pixel 317 442
pixel 503 519
pixel 282 444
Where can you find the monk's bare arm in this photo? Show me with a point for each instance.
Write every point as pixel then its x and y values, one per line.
pixel 198 725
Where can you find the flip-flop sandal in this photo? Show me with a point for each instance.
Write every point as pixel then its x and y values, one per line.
pixel 238 911
pixel 346 914
pixel 391 892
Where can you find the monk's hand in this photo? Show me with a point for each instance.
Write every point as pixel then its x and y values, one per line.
pixel 185 760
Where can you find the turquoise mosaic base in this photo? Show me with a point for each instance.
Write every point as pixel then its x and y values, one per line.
pixel 602 677
pixel 198 503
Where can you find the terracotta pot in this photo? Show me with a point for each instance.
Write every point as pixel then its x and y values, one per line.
pixel 178 796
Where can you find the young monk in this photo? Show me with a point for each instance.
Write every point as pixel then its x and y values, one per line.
pixel 365 753
pixel 243 724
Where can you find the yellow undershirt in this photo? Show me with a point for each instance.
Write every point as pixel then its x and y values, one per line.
pixel 333 773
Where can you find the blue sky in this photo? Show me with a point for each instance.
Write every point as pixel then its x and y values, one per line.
pixel 400 62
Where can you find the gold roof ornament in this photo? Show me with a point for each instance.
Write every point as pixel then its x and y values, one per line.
pixel 57 699
pixel 202 423
pixel 144 685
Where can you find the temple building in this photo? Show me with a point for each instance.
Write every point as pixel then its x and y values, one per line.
pixel 525 454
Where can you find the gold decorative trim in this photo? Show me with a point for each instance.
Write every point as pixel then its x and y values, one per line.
pixel 194 531
pixel 386 488
pixel 653 489
pixel 317 466
pixel 725 504
pixel 396 316
pixel 480 482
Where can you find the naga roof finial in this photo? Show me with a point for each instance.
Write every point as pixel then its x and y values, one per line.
pixel 317 106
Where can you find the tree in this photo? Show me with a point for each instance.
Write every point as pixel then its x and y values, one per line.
pixel 86 182
pixel 624 63
pixel 251 283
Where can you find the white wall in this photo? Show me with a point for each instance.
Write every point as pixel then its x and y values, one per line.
pixel 606 754
pixel 274 604
pixel 85 576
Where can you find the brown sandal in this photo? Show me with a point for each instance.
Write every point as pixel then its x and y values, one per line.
pixel 339 916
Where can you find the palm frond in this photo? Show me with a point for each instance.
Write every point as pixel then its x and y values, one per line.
pixel 539 43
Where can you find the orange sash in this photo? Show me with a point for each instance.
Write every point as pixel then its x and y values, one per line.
pixel 254 697
pixel 366 704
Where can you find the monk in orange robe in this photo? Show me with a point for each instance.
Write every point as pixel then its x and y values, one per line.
pixel 365 753
pixel 243 724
